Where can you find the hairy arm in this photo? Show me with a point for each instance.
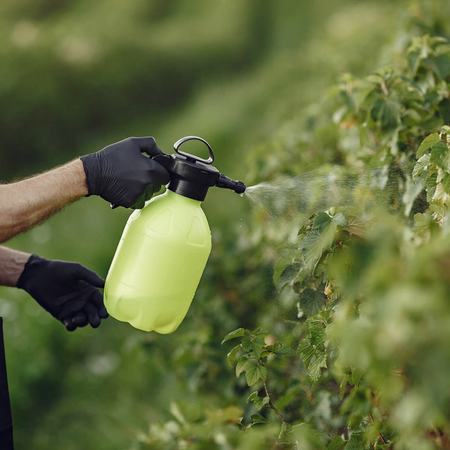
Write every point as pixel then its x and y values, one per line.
pixel 26 203
pixel 12 263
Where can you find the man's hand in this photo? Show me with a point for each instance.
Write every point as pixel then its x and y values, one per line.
pixel 119 173
pixel 67 290
pixel 122 175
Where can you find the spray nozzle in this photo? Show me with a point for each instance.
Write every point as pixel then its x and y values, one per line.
pixel 235 185
pixel 191 176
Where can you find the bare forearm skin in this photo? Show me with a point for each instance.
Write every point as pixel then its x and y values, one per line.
pixel 12 263
pixel 26 203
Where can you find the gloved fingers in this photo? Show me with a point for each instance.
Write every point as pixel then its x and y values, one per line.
pixel 148 145
pixel 80 319
pixel 147 195
pixel 139 203
pixel 92 314
pixel 158 175
pixel 70 326
pixel 88 275
pixel 97 300
pixel 72 304
pixel 150 190
pixel 86 308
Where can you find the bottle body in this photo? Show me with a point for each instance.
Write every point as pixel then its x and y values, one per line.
pixel 158 263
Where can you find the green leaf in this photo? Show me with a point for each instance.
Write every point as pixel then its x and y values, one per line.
pixel 337 443
pixel 260 332
pixel 413 61
pixel 281 351
pixel 432 124
pixel 442 66
pixel 315 243
pixel 312 301
pixel 186 412
pixel 412 191
pixel 322 319
pixel 288 246
pixel 394 142
pixel 232 356
pixel 438 212
pixel 241 365
pixel 254 344
pixel 440 155
pixel 301 280
pixel 258 401
pixel 252 397
pixel 321 237
pixel 176 412
pixel 285 429
pixel 317 334
pixel 288 276
pixel 420 166
pixel 386 111
pixel 236 333
pixel 319 362
pixel 322 220
pixel 340 220
pixel 254 372
pixel 283 263
pixel 446 183
pixel 430 186
pixel 343 386
pixel 356 376
pixel 427 143
pixel 314 357
pixel 355 441
pixel 257 418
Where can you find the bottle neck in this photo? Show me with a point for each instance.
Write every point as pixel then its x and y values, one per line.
pixel 188 189
pixel 175 196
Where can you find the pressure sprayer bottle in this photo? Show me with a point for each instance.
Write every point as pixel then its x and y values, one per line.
pixel 165 246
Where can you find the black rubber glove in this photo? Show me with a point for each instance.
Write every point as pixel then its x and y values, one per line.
pixel 122 175
pixel 67 290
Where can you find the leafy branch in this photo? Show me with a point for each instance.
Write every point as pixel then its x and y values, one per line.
pixel 250 357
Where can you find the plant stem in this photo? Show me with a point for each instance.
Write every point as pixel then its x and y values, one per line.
pixel 379 434
pixel 313 280
pixel 439 434
pixel 413 145
pixel 271 405
pixel 444 440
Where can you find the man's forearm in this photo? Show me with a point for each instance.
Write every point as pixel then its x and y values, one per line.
pixel 12 263
pixel 26 203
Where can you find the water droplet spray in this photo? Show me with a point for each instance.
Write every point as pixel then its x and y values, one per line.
pixel 318 190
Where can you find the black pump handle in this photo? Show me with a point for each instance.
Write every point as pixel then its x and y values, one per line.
pixel 190 157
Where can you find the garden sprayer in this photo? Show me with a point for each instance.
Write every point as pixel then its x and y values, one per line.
pixel 165 246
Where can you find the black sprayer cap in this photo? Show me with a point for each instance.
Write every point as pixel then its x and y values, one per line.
pixel 191 176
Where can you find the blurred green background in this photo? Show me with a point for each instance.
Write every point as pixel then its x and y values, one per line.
pixel 76 76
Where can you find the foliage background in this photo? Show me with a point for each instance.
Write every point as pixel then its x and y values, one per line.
pixel 249 76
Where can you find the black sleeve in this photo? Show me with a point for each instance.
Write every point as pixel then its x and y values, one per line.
pixel 6 429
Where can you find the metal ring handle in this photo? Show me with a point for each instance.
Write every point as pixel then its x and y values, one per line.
pixel 194 158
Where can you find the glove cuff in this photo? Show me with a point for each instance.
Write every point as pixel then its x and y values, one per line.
pixel 90 165
pixel 34 261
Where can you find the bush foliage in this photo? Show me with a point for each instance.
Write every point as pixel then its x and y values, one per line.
pixel 367 271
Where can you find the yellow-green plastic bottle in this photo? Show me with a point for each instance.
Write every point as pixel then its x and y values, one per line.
pixel 164 247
